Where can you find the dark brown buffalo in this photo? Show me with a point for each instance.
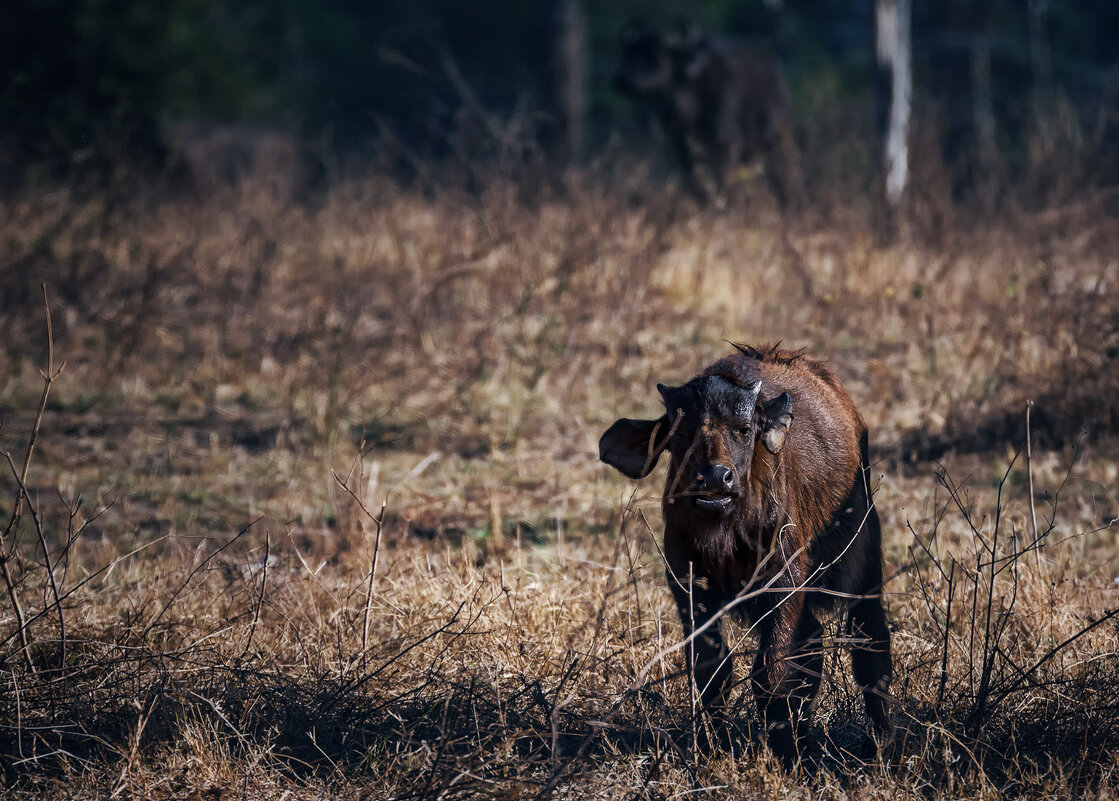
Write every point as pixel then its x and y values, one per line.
pixel 767 510
pixel 720 102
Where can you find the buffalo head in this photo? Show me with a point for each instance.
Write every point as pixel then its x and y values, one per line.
pixel 711 428
pixel 658 63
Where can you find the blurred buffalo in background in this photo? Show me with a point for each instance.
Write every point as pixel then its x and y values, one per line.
pixel 721 103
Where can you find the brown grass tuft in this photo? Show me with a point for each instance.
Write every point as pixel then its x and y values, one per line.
pixel 206 598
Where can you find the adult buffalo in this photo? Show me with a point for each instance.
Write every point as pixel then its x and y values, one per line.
pixel 721 103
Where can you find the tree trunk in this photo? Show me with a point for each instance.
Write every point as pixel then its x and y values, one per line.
pixel 982 107
pixel 1042 74
pixel 895 88
pixel 572 69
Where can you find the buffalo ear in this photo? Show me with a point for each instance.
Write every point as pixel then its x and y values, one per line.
pixel 776 416
pixel 632 447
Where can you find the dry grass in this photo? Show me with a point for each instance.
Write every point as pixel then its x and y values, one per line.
pixel 246 381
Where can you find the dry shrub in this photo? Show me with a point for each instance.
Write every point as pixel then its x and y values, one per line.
pixel 246 381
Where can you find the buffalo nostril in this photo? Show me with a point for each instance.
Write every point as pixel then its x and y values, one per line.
pixel 723 476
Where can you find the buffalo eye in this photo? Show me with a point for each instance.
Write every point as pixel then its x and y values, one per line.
pixel 741 429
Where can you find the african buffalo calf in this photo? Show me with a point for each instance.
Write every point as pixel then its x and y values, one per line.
pixel 768 514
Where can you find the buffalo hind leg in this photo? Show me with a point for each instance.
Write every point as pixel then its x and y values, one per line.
pixel 870 661
pixel 785 691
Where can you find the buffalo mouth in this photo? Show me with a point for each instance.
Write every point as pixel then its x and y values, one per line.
pixel 714 503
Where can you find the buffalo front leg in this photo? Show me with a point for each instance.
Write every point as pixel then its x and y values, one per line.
pixel 787 674
pixel 707 659
pixel 693 181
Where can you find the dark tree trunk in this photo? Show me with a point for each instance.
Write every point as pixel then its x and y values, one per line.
pixel 571 59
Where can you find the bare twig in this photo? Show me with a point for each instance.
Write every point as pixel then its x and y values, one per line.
pixel 17 510
pixel 1048 655
pixel 378 521
pixel 17 608
pixel 141 723
pixel 947 635
pixel 192 574
pixel 260 598
pixel 1030 478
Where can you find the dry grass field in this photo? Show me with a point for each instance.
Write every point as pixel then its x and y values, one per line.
pixel 314 508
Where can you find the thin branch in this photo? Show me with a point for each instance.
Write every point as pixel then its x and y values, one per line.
pixel 1052 652
pixel 260 598
pixel 17 509
pixel 369 590
pixel 1030 478
pixel 378 522
pixel 193 573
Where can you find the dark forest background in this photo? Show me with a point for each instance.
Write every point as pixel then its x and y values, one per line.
pixel 1017 90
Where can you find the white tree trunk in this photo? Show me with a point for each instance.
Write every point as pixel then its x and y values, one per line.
pixel 893 45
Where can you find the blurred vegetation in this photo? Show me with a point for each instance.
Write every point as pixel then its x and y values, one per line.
pixel 95 82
